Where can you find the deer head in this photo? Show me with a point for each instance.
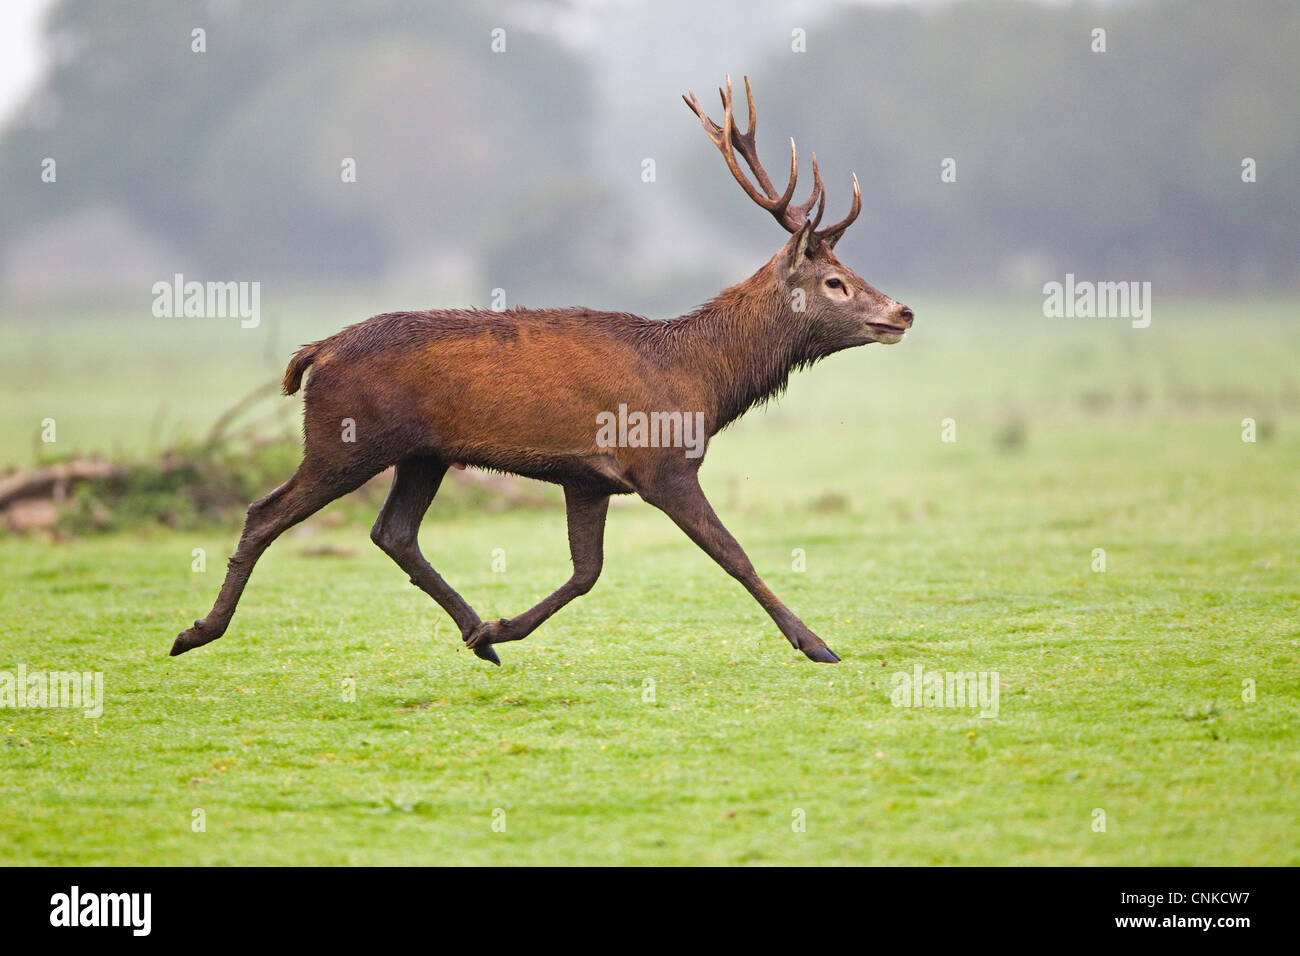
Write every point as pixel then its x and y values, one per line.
pixel 841 306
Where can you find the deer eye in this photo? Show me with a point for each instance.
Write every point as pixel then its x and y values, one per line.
pixel 834 283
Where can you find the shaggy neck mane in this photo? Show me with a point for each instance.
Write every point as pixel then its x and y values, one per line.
pixel 745 342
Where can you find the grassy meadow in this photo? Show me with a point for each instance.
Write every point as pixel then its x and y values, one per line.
pixel 1146 712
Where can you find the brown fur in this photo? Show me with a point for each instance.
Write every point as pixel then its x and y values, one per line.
pixel 520 391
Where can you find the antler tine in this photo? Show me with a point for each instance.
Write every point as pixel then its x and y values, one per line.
pixel 821 208
pixel 729 141
pixel 831 234
pixel 753 113
pixel 817 198
pixel 748 149
pixel 712 129
pixel 722 138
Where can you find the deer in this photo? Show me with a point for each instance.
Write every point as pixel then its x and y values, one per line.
pixel 521 391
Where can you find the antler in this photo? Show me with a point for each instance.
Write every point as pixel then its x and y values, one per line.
pixel 831 234
pixel 730 140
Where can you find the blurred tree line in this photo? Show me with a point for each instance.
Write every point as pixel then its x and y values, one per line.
pixel 236 156
pixel 1122 164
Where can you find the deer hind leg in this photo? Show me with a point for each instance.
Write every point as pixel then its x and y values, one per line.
pixel 297 499
pixel 682 499
pixel 586 516
pixel 396 531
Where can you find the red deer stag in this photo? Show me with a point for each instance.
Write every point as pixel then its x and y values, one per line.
pixel 526 391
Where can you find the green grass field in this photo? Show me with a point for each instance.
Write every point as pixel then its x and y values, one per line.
pixel 662 718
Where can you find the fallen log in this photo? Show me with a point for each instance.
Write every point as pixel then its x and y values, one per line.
pixel 53 481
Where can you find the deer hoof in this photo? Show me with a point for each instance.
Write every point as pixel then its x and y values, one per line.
pixel 822 655
pixel 191 638
pixel 488 654
pixel 480 640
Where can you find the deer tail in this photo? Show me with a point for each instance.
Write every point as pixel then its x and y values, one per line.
pixel 298 367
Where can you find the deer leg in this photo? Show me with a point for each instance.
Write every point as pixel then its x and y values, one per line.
pixel 586 515
pixel 297 499
pixel 396 531
pixel 682 499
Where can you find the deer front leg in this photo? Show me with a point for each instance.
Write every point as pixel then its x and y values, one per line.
pixel 586 516
pixel 681 498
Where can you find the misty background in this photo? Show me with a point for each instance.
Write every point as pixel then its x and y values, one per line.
pixel 525 168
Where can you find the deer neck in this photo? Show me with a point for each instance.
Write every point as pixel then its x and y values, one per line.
pixel 744 343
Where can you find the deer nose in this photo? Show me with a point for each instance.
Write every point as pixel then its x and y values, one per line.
pixel 906 315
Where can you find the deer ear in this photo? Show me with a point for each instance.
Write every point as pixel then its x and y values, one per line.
pixel 796 250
